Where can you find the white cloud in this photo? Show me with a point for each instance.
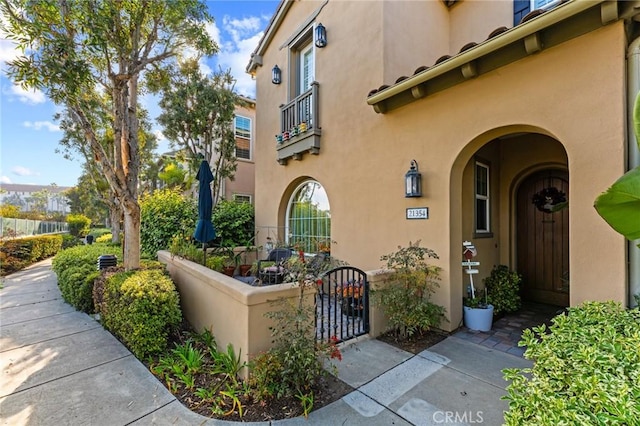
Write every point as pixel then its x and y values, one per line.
pixel 237 39
pixel 30 97
pixel 39 125
pixel 23 171
pixel 5 179
pixel 8 50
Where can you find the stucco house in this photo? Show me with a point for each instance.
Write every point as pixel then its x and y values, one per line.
pixel 515 114
pixel 242 187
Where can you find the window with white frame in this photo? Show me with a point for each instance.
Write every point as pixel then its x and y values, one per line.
pixel 482 200
pixel 309 217
pixel 242 129
pixel 242 198
pixel 306 67
pixel 544 4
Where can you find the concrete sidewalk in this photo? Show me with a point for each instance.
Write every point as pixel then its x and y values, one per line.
pixel 60 367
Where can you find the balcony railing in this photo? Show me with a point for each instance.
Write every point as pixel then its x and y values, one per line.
pixel 299 125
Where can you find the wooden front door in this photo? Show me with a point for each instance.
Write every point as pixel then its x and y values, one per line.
pixel 543 239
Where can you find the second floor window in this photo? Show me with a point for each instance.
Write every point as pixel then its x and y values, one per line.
pixel 242 126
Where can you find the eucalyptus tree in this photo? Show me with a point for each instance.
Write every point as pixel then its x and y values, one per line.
pixel 94 190
pixel 197 118
pixel 75 51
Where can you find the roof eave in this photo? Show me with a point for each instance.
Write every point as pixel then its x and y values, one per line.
pixel 267 37
pixel 515 34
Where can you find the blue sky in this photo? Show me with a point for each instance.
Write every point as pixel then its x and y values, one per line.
pixel 29 136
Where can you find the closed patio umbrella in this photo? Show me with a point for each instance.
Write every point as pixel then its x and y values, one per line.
pixel 204 229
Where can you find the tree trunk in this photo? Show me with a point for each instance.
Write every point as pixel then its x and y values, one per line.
pixel 115 215
pixel 131 247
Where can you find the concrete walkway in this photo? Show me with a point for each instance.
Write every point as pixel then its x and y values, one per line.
pixel 60 367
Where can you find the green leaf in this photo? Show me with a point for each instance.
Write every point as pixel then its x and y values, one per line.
pixel 619 206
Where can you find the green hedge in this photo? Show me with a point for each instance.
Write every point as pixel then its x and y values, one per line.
pixel 586 370
pixel 164 214
pixel 78 225
pixel 141 308
pixel 77 268
pixel 18 253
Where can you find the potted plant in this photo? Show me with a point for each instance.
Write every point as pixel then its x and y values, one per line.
pixel 503 290
pixel 478 313
pixel 244 263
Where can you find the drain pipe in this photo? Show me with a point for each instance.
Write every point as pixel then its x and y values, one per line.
pixel 633 157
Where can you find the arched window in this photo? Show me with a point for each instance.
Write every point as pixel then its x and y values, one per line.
pixel 309 218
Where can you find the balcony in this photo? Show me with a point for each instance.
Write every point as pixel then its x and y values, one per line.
pixel 299 127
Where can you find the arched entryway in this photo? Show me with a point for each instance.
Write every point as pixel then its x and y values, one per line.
pixel 542 226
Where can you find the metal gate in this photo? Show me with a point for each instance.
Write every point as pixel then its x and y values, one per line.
pixel 342 305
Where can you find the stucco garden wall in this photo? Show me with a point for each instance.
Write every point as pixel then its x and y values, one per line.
pixel 233 311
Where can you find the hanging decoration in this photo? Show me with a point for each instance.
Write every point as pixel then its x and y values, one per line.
pixel 550 200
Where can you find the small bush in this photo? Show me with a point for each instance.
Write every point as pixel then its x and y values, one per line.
pixel 104 238
pixel 407 299
pixel 234 223
pixel 99 232
pixel 164 214
pixel 18 253
pixel 586 369
pixel 503 290
pixel 69 240
pixel 73 267
pixel 78 225
pixel 141 308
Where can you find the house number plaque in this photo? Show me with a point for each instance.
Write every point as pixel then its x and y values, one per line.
pixel 418 213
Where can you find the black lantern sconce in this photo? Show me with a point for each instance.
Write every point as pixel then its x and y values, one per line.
pixel 276 75
pixel 321 36
pixel 413 181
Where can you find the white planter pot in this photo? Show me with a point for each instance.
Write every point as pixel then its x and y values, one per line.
pixel 478 318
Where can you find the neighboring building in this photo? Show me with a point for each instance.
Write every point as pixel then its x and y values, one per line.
pixel 242 187
pixel 22 195
pixel 495 102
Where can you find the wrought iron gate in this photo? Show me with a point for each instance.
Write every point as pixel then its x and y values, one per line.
pixel 342 305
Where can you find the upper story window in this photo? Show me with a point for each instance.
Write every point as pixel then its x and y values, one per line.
pixel 306 67
pixel 309 217
pixel 482 195
pixel 544 4
pixel 242 129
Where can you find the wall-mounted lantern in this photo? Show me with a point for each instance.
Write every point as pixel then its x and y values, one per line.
pixel 276 75
pixel 321 36
pixel 413 181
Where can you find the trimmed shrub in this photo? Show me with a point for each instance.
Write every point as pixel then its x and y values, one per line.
pixel 78 225
pixel 234 223
pixel 164 214
pixel 141 308
pixel 104 238
pixel 503 289
pixel 21 252
pixel 76 269
pixel 586 369
pixel 69 240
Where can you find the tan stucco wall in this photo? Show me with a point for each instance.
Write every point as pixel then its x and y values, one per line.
pixel 424 35
pixel 465 25
pixel 573 93
pixel 233 311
